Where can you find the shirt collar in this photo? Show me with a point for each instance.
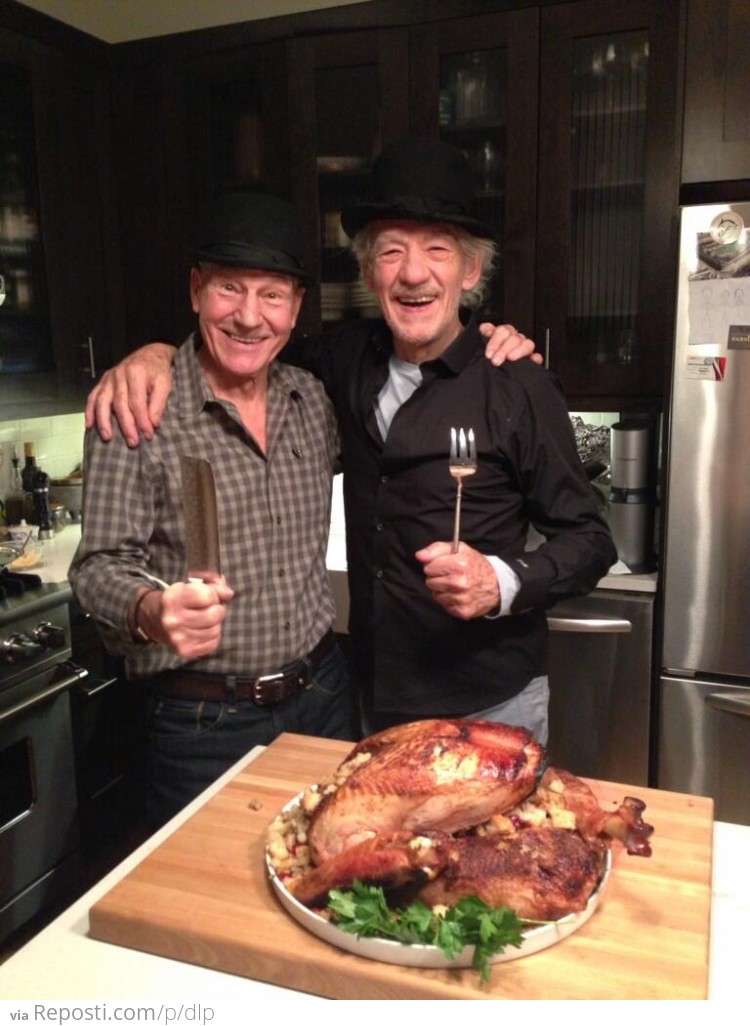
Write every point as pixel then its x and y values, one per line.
pixel 196 393
pixel 455 357
pixel 462 349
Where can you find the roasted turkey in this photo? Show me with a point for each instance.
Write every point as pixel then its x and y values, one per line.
pixel 540 873
pixel 439 810
pixel 445 775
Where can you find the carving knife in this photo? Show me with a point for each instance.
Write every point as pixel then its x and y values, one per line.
pixel 202 540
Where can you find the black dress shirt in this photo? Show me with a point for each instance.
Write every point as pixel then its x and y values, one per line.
pixel 411 656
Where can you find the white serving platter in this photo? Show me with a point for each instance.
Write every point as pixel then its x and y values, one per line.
pixel 427 956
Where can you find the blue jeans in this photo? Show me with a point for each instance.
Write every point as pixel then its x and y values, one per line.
pixel 192 743
pixel 529 708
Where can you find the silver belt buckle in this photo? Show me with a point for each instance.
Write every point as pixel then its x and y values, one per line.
pixel 257 697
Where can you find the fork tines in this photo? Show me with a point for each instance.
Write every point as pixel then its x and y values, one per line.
pixel 463 449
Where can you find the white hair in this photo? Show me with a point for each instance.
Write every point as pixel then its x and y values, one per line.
pixel 472 246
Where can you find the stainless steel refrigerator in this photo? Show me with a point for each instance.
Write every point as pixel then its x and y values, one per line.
pixel 704 694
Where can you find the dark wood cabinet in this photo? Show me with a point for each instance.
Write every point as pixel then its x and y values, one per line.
pixel 187 129
pixel 348 96
pixel 569 114
pixel 717 87
pixel 474 82
pixel 609 146
pixel 58 243
pixel 471 81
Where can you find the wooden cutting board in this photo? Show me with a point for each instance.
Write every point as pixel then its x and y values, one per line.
pixel 203 897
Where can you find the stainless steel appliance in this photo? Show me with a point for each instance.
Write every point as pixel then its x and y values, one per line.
pixel 39 834
pixel 704 707
pixel 600 673
pixel 631 498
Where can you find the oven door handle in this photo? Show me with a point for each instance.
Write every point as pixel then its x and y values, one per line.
pixel 589 625
pixel 73 675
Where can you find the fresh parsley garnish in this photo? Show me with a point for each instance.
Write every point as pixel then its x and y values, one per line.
pixel 363 911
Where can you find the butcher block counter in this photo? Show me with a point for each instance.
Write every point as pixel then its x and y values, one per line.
pixel 194 900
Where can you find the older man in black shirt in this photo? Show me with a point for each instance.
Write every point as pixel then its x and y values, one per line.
pixel 438 633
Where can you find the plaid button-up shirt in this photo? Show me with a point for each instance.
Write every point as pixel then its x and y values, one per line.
pixel 274 512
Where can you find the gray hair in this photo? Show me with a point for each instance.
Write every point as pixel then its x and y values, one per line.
pixel 472 246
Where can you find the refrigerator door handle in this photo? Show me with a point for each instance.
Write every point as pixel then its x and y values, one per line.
pixel 584 625
pixel 729 703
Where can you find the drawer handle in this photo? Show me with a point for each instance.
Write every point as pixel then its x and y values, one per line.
pixel 581 625
pixel 729 703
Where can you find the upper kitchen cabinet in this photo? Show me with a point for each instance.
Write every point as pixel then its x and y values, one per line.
pixel 56 256
pixel 569 114
pixel 187 129
pixel 717 86
pixel 608 193
pixel 25 329
pixel 473 82
pixel 350 95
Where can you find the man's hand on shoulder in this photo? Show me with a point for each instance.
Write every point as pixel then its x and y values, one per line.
pixel 136 391
pixel 505 343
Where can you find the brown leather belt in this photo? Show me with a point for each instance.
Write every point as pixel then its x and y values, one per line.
pixel 264 689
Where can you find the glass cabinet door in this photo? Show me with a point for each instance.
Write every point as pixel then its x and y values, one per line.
pixel 472 116
pixel 607 197
pixel 25 336
pixel 474 85
pixel 237 121
pixel 608 166
pixel 350 95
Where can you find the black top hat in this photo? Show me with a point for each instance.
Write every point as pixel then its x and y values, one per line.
pixel 419 180
pixel 256 231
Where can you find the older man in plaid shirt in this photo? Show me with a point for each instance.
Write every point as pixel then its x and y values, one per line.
pixel 231 662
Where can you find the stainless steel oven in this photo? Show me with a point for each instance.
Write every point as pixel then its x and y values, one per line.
pixel 39 832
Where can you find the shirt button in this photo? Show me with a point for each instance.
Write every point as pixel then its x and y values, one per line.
pixel 287 626
pixel 379 527
pixel 378 573
pixel 278 520
pixel 282 573
pixel 384 478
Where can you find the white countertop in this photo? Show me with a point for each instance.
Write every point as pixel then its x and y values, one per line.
pixel 63 963
pixel 57 553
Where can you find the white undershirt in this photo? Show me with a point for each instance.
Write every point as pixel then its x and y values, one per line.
pixel 403 379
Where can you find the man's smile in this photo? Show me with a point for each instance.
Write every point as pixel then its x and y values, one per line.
pixel 421 300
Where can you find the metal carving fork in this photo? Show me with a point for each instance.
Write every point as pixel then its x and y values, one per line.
pixel 462 463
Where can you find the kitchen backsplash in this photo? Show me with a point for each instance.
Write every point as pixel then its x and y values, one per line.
pixel 59 446
pixel 58 441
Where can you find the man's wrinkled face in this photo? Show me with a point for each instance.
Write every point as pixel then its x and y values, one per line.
pixel 418 273
pixel 245 318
